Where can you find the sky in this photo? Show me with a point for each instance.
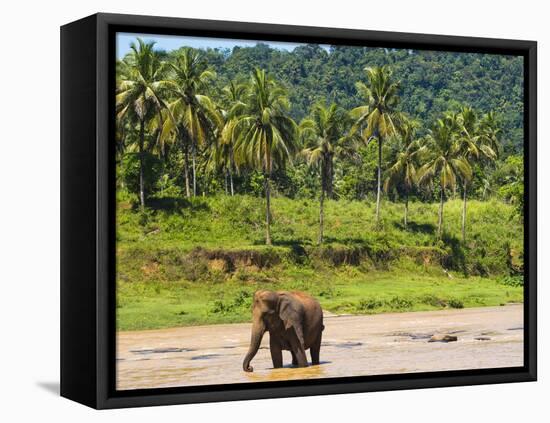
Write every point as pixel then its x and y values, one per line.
pixel 173 42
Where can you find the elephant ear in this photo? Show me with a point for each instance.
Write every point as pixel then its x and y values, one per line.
pixel 289 311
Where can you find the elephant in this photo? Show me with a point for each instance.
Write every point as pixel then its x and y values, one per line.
pixel 295 323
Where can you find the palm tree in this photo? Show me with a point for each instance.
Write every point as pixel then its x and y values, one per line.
pixel 323 135
pixel 445 161
pixel 266 134
pixel 221 158
pixel 476 143
pixel 490 132
pixel 195 115
pixel 376 119
pixel 222 155
pixel 403 171
pixel 139 95
pixel 468 139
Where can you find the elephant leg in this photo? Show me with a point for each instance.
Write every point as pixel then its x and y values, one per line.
pixel 297 348
pixel 301 359
pixel 276 353
pixel 315 349
pixel 294 359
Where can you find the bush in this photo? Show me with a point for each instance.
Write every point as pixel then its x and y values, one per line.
pixel 400 303
pixel 516 281
pixel 432 300
pixel 454 303
pixel 241 300
pixel 152 171
pixel 369 304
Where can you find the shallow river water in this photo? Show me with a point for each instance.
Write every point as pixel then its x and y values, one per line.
pixel 352 346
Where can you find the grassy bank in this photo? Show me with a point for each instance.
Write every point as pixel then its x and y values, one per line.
pixel 149 305
pixel 198 262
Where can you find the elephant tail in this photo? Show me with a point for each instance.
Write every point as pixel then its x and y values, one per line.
pixel 322 328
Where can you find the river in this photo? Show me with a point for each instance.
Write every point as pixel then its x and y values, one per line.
pixel 390 343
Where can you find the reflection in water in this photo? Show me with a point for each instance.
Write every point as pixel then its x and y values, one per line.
pixel 287 373
pixel 352 346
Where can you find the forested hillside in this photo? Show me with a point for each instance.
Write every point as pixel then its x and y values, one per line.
pixel 431 82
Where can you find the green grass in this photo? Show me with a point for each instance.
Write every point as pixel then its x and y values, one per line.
pixel 199 262
pixel 149 305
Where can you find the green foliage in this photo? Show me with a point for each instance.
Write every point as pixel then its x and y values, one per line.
pixel 241 301
pixel 509 176
pixel 431 83
pixel 516 281
pixel 455 303
pixel 351 235
pixel 153 168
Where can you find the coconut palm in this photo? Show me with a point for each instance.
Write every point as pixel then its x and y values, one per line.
pixel 444 161
pixel 377 118
pixel 490 131
pixel 323 134
pixel 468 138
pixel 477 143
pixel 194 114
pixel 139 95
pixel 403 171
pixel 222 156
pixel 266 136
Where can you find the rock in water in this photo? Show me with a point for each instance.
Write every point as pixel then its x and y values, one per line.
pixel 443 338
pixel 482 338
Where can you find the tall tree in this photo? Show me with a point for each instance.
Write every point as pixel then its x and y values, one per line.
pixel 403 172
pixel 376 119
pixel 476 143
pixel 267 135
pixel 194 112
pixel 444 161
pixel 139 95
pixel 222 156
pixel 323 134
pixel 490 131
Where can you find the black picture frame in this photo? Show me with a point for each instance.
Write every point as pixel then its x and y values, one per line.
pixel 88 206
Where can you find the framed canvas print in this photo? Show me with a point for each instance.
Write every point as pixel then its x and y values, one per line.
pixel 257 211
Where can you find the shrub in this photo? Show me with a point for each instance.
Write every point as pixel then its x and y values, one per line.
pixel 241 300
pixel 432 300
pixel 455 303
pixel 367 304
pixel 400 303
pixel 516 280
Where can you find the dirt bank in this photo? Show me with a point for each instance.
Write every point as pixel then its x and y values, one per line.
pixel 352 345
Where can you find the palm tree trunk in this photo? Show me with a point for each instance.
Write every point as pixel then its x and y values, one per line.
pixel 321 215
pixel 225 180
pixel 406 209
pixel 194 159
pixel 325 172
pixel 378 191
pixel 267 208
pixel 440 222
pixel 186 168
pixel 330 178
pixel 464 212
pixel 141 164
pixel 231 181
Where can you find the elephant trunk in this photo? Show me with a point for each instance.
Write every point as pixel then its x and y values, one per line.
pixel 258 330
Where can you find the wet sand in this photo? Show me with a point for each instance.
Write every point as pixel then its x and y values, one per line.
pixel 352 346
